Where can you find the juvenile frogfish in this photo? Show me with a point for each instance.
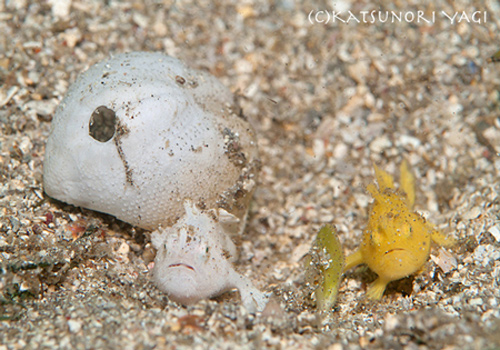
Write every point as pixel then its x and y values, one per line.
pixel 396 243
pixel 195 259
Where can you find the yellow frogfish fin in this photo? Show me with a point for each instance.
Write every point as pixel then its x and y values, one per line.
pixel 407 183
pixel 376 289
pixel 374 191
pixel 353 259
pixel 440 238
pixel 384 180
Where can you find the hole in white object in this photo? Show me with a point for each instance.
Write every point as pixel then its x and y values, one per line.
pixel 102 124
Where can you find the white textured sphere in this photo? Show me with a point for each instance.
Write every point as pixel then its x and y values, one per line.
pixel 140 133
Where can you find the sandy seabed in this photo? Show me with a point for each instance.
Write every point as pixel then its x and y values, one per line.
pixel 329 96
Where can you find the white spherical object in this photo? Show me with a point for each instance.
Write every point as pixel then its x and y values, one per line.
pixel 140 133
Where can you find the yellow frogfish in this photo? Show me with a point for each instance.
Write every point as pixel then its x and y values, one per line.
pixel 396 243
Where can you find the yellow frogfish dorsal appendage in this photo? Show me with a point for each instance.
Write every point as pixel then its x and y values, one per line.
pixel 396 243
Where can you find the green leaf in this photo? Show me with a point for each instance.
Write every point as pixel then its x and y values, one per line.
pixel 327 261
pixel 495 57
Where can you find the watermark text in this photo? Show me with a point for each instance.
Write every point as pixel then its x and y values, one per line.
pixel 419 17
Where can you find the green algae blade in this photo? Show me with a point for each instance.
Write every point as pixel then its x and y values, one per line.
pixel 494 58
pixel 327 258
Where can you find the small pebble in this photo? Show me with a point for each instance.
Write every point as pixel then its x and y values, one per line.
pixel 74 326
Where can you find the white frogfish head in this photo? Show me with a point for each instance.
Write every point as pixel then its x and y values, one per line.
pixel 192 259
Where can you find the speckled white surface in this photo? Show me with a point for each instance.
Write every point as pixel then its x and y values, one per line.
pixel 172 142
